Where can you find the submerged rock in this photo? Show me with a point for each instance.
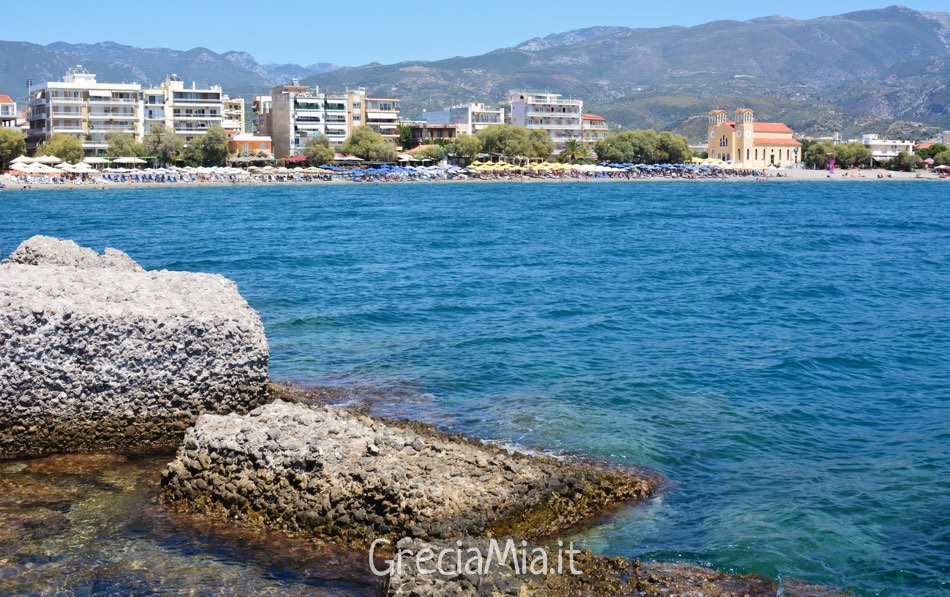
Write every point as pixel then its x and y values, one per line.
pixel 97 353
pixel 347 477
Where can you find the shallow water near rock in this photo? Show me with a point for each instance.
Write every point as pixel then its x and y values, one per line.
pixel 779 352
pixel 89 524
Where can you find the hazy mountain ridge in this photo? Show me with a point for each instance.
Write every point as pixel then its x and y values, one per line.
pixel 237 72
pixel 843 73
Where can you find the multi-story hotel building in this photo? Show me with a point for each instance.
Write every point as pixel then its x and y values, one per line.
pixel 189 112
pixel 559 117
pixel 82 107
pixel 745 141
pixel 593 129
pixel 8 113
pixel 298 113
pixel 233 121
pixel 294 113
pixel 468 119
pixel 382 115
pixel 883 150
pixel 260 108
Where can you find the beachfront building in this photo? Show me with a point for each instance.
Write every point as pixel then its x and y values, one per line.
pixel 468 119
pixel 381 114
pixel 883 150
pixel 945 139
pixel 424 133
pixel 260 108
pixel 82 107
pixel 561 118
pixel 298 112
pixel 8 113
pixel 249 144
pixel 190 112
pixel 593 129
pixel 745 141
pixel 233 120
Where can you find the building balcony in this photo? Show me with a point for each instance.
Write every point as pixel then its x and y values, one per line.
pixel 107 101
pixel 59 101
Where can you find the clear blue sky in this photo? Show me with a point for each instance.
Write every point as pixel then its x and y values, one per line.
pixel 362 31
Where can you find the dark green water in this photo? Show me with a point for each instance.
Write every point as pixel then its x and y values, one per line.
pixel 780 352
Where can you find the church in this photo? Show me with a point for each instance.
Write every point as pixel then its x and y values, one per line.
pixel 745 141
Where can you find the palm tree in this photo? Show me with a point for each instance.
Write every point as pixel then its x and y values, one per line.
pixel 573 151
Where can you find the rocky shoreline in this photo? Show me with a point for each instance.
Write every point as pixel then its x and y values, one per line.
pixel 97 354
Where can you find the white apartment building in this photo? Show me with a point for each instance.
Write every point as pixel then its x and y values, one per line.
pixel 945 138
pixel 233 120
pixel 559 117
pixel 382 115
pixel 8 113
pixel 297 113
pixel 468 119
pixel 82 107
pixel 189 112
pixel 885 149
pixel 593 129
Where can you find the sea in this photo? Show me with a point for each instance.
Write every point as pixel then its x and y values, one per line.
pixel 778 351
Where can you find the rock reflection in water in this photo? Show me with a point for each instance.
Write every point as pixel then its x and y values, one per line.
pixel 90 524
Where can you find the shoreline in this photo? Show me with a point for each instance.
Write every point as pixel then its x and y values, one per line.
pixel 790 176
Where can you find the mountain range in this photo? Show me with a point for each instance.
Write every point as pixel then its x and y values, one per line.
pixel 884 71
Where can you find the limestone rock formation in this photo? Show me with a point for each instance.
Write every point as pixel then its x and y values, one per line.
pixel 97 353
pixel 329 473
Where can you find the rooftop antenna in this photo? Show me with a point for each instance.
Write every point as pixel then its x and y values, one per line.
pixel 29 87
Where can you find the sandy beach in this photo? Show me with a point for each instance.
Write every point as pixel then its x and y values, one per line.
pixel 786 176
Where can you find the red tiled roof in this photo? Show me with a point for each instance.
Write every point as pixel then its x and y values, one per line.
pixel 6 99
pixel 593 117
pixel 768 141
pixel 926 145
pixel 770 127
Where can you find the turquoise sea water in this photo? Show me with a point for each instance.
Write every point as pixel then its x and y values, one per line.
pixel 779 351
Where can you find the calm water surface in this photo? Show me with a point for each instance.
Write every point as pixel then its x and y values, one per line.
pixel 780 351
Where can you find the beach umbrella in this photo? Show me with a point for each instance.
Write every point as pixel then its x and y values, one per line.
pixel 23 159
pixel 95 160
pixel 48 159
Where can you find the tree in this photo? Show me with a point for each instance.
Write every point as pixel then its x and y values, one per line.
pixel 162 143
pixel 12 146
pixel 123 145
pixel 643 147
pixel 573 151
pixel 672 149
pixel 212 147
pixel 515 141
pixel 63 146
pixel 403 134
pixel 318 150
pixel 942 158
pixel 816 156
pixel 435 153
pixel 850 155
pixel 932 151
pixel 368 144
pixel 466 147
pixel 905 162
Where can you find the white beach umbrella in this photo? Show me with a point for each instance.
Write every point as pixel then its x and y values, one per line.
pixel 48 159
pixel 23 159
pixel 95 160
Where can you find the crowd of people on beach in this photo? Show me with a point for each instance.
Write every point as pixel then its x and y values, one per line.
pixel 382 173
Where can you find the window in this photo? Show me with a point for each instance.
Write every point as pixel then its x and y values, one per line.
pixel 747 152
pixel 247 147
pixel 723 142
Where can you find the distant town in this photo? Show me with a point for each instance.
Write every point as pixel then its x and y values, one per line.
pixel 297 123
